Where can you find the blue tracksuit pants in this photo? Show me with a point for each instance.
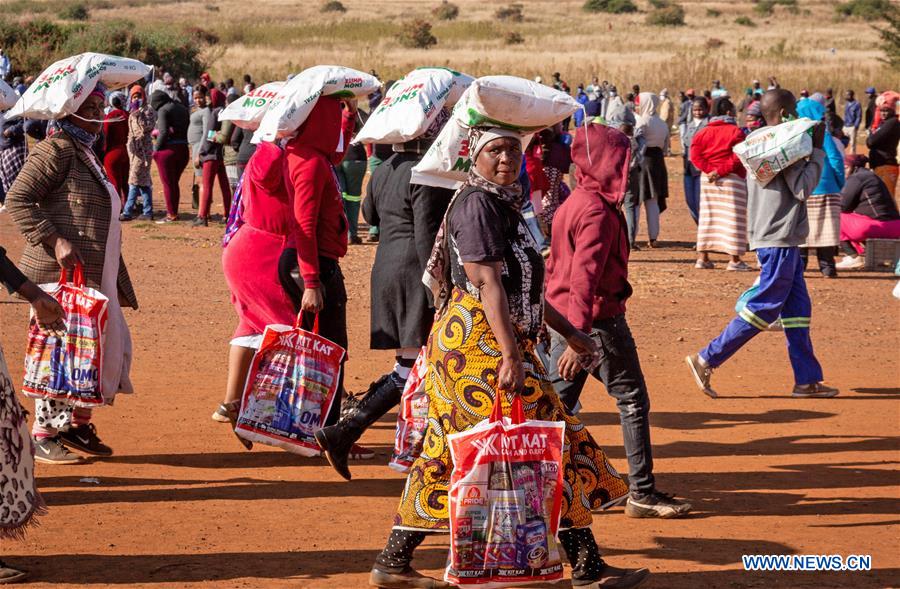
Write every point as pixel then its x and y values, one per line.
pixel 782 292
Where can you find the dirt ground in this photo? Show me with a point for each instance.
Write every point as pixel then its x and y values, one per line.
pixel 181 504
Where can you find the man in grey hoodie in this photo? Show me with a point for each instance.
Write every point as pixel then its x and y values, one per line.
pixel 777 226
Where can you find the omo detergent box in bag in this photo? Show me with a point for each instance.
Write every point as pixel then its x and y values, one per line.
pixel 505 501
pixel 290 388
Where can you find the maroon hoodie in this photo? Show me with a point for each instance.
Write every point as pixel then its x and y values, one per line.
pixel 587 274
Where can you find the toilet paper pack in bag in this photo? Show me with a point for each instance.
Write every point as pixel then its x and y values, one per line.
pixel 69 367
pixel 505 501
pixel 292 383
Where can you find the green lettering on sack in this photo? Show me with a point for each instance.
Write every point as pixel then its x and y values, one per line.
pixel 462 165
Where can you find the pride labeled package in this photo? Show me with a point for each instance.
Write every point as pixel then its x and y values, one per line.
pixel 70 367
pixel 290 389
pixel 505 501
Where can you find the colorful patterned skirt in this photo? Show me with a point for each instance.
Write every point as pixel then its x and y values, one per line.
pixel 463 357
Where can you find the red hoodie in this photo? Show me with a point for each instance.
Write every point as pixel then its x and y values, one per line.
pixel 587 274
pixel 711 149
pixel 318 205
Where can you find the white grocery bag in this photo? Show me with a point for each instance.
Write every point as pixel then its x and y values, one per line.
pixel 294 101
pixel 62 87
pixel 248 110
pixel 412 104
pixel 493 101
pixel 768 151
pixel 8 96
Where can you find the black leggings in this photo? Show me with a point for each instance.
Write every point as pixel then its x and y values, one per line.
pixel 332 318
pixel 578 544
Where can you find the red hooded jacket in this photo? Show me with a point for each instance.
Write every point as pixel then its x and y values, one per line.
pixel 587 274
pixel 711 149
pixel 313 185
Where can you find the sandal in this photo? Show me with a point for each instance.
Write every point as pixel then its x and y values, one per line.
pixel 230 411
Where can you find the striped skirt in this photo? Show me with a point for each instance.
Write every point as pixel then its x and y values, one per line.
pixel 824 213
pixel 723 216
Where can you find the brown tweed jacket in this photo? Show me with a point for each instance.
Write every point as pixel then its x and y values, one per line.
pixel 60 191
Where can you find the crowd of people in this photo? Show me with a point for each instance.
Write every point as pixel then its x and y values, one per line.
pixel 526 264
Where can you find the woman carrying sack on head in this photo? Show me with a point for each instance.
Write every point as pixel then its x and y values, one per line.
pixel 68 211
pixel 488 278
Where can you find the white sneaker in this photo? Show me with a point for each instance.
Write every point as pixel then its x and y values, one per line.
pixel 851 263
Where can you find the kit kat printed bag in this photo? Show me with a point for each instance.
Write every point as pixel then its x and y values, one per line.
pixel 505 501
pixel 69 368
pixel 290 388
pixel 412 420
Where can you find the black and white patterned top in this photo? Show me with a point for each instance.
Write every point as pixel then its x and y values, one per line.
pixel 485 229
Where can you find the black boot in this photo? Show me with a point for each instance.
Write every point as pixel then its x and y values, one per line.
pixel 337 440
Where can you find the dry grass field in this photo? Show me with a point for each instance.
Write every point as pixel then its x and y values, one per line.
pixel 804 46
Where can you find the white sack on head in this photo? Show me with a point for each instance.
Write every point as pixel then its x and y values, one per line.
pixel 768 151
pixel 248 110
pixel 516 103
pixel 62 88
pixel 412 104
pixel 492 101
pixel 8 96
pixel 295 100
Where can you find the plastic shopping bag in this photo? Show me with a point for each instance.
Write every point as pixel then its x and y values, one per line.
pixel 294 101
pixel 69 368
pixel 62 87
pixel 412 420
pixel 496 101
pixel 248 110
pixel 412 104
pixel 290 388
pixel 768 151
pixel 8 96
pixel 505 501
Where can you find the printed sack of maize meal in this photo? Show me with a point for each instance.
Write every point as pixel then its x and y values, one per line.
pixel 412 104
pixel 62 87
pixel 248 110
pixel 293 102
pixel 768 151
pixel 492 101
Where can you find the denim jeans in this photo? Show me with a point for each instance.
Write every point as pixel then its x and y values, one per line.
pixel 620 372
pixel 146 193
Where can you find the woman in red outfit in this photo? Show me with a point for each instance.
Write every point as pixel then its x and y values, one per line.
pixel 115 130
pixel 286 202
pixel 723 191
